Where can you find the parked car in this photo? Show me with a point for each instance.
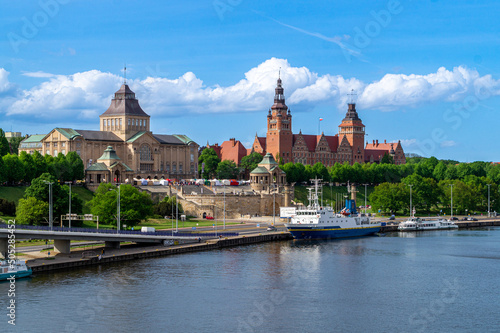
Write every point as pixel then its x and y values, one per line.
pixel 471 218
pixel 454 218
pixel 272 228
pixel 392 218
pixel 208 217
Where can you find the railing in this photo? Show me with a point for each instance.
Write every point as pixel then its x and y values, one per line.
pixel 121 232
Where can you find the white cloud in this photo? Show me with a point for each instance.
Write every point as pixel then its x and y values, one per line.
pixel 448 143
pixel 87 94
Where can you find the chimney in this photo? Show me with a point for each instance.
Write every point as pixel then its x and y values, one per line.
pixel 385 141
pixel 232 140
pixel 376 141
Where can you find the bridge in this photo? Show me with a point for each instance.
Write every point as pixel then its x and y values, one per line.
pixel 63 236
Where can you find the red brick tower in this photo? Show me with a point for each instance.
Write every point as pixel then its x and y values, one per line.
pixel 279 128
pixel 354 130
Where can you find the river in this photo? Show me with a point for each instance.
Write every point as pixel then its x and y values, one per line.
pixel 433 281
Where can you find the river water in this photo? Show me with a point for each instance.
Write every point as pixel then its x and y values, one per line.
pixel 434 281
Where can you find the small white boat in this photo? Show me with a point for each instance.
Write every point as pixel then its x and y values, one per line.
pixel 17 269
pixel 416 224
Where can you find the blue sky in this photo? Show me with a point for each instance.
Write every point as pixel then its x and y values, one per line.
pixel 425 72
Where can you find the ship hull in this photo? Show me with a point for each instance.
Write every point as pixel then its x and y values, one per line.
pixel 303 232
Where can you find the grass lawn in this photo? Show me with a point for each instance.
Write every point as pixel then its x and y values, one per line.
pixel 12 193
pixel 167 224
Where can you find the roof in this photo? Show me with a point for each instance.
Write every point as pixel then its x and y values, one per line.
pixel 233 150
pixel 268 159
pixel 136 136
pixel 125 103
pixel 260 170
pixel 98 135
pixel 310 140
pixel 109 154
pixel 333 142
pixel 97 167
pixel 127 168
pixel 381 146
pixel 34 138
pixel 262 142
pixel 170 139
pixel 375 153
pixel 69 133
pixel 184 138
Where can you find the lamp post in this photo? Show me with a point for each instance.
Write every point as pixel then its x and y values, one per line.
pixel 117 209
pixel 488 199
pixel 224 207
pixel 365 198
pixel 451 218
pixel 411 203
pixel 51 204
pixel 274 203
pixel 69 183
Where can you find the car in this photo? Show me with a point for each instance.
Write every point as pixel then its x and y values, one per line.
pixel 465 218
pixel 454 218
pixel 208 217
pixel 471 219
pixel 272 228
pixel 392 218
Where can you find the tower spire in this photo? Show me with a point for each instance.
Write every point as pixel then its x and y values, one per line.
pixel 125 74
pixel 352 97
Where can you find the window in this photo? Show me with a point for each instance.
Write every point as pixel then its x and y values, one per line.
pixel 63 144
pixel 55 144
pixel 108 122
pixel 63 151
pixel 129 123
pixel 120 123
pixel 78 152
pixel 174 168
pixel 167 167
pixel 180 167
pixel 112 122
pixel 78 144
pixel 55 152
pixel 47 145
pixel 145 153
pixel 104 124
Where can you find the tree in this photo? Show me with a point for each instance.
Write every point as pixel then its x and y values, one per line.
pixel 4 144
pixel 389 197
pixel 250 162
pixel 135 206
pixel 7 207
pixel 164 207
pixel 60 195
pixel 32 211
pixel 439 172
pixel 227 170
pixel 13 168
pixel 207 163
pixel 39 163
pixel 425 192
pixel 76 166
pixel 28 165
pixel 14 144
pixel 320 171
pixel 387 159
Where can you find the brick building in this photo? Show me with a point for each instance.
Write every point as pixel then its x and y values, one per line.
pixel 346 146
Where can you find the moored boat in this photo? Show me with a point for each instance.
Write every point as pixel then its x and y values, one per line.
pixel 318 222
pixel 416 224
pixel 16 269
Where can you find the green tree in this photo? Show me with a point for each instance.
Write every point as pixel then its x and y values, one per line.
pixel 250 162
pixel 32 211
pixel 76 166
pixel 167 207
pixel 387 159
pixel 135 206
pixel 13 168
pixel 28 165
pixel 227 170
pixel 439 172
pixel 389 197
pixel 320 171
pixel 39 189
pixel 14 144
pixel 4 144
pixel 208 161
pixel 39 163
pixel 425 191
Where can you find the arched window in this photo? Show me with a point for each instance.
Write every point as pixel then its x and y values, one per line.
pixel 145 153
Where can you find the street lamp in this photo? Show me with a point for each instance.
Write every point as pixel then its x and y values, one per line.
pixel 451 201
pixel 274 203
pixel 411 203
pixel 488 199
pixel 117 210
pixel 224 207
pixel 69 203
pixel 51 204
pixel 365 198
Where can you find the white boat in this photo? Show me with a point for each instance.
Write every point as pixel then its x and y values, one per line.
pixel 317 222
pixel 416 224
pixel 16 269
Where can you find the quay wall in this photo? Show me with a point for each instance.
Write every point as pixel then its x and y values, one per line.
pixel 212 244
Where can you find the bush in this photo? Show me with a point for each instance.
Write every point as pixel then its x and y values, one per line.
pixel 7 208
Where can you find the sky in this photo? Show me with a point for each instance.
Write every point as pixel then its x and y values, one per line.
pixel 424 72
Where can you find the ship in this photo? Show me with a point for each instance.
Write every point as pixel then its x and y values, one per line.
pixel 14 269
pixel 416 224
pixel 318 222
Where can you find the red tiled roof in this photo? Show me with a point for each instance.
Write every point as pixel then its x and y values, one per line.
pixel 233 150
pixel 262 141
pixel 333 142
pixel 376 153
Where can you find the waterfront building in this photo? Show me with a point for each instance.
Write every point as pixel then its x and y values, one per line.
pixel 346 146
pixel 124 127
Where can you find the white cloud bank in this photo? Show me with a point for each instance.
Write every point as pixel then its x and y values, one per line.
pixel 88 94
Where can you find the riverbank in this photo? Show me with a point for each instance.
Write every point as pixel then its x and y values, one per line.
pixel 131 252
